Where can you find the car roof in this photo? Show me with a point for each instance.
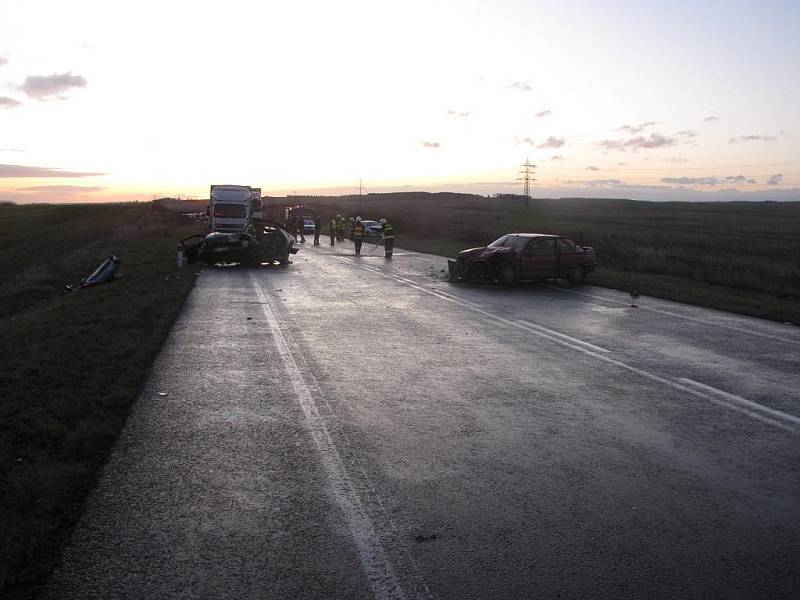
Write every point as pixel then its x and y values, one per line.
pixel 533 235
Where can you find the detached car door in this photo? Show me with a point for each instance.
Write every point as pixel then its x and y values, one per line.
pixel 538 260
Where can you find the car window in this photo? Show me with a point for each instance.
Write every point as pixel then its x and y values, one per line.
pixel 517 243
pixel 566 246
pixel 499 242
pixel 541 247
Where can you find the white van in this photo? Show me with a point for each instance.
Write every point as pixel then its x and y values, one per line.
pixel 229 208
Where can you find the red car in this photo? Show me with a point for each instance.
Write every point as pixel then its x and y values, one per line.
pixel 524 257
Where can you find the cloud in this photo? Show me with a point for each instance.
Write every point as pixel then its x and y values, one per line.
pixel 460 114
pixel 634 129
pixel 676 159
pixel 526 140
pixel 656 140
pixel 6 102
pixel 713 180
pixel 65 189
pixel 711 118
pixel 690 133
pixel 592 168
pixel 543 113
pixel 431 145
pixel 752 138
pixel 557 157
pixel 25 171
pixel 521 86
pixel 776 179
pixel 595 182
pixel 553 142
pixel 44 86
pixel 3 60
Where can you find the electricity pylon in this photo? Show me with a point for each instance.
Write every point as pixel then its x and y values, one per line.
pixel 526 172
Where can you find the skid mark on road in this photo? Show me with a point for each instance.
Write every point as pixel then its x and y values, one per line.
pixel 792 424
pixel 600 300
pixel 377 567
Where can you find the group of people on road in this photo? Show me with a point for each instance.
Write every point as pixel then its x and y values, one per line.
pixel 337 226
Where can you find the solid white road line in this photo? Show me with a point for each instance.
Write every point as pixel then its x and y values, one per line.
pixel 754 409
pixel 600 300
pixel 563 336
pixel 584 347
pixel 375 563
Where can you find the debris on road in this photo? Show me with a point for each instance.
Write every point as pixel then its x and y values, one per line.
pixel 634 297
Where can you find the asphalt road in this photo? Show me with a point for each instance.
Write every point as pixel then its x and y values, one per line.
pixel 357 428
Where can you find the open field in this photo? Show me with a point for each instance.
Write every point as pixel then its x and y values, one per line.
pixel 72 364
pixel 736 256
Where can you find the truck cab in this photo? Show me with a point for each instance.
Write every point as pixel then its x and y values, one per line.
pixel 230 208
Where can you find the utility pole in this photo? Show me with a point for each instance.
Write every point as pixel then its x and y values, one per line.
pixel 360 187
pixel 526 172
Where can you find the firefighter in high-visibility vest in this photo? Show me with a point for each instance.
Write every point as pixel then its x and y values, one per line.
pixel 332 230
pixel 339 227
pixel 388 237
pixel 357 234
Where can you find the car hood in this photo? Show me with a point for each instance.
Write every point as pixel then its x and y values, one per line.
pixel 484 252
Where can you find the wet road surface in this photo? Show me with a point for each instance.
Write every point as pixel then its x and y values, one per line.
pixel 357 428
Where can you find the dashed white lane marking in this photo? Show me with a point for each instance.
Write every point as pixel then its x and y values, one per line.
pixel 754 409
pixel 377 567
pixel 598 353
pixel 600 300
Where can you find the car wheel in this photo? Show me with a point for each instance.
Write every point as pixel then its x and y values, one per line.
pixel 474 275
pixel 508 274
pixel 578 275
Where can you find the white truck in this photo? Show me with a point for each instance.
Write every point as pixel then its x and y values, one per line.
pixel 230 207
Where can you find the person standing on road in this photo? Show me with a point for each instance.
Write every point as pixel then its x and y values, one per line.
pixel 357 234
pixel 317 229
pixel 388 237
pixel 339 227
pixel 332 230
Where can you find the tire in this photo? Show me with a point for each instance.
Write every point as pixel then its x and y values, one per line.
pixel 284 260
pixel 578 275
pixel 507 274
pixel 473 275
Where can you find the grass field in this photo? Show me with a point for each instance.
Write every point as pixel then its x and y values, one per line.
pixel 72 364
pixel 738 256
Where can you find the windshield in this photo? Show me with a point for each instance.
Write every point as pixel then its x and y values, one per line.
pixel 510 241
pixel 229 211
pixel 231 194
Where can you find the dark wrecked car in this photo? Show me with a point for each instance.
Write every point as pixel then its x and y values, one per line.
pixel 524 257
pixel 263 242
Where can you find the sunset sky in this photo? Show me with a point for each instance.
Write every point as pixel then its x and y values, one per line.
pixel 648 100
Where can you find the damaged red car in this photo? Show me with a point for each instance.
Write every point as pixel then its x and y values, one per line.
pixel 524 257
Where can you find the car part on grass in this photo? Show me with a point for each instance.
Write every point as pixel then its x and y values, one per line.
pixel 109 270
pixel 263 242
